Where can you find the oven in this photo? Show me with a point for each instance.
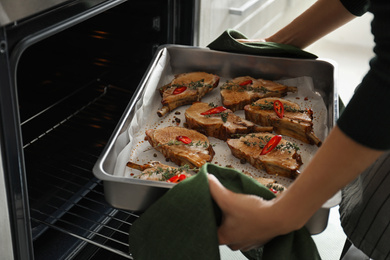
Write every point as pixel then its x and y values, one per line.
pixel 68 70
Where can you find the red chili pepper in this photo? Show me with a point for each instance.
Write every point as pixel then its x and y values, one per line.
pixel 246 82
pixel 179 90
pixel 214 110
pixel 183 139
pixel 177 178
pixel 271 144
pixel 273 190
pixel 279 108
pixel 309 111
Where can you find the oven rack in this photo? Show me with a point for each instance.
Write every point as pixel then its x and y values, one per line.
pixel 109 231
pixel 64 196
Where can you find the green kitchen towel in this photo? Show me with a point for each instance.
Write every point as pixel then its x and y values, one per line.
pixel 227 42
pixel 183 223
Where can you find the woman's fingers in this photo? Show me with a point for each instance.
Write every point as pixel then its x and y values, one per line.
pixel 218 191
pixel 250 40
pixel 248 221
pixel 225 200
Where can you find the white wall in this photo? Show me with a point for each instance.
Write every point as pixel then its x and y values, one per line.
pixel 351 47
pixel 356 32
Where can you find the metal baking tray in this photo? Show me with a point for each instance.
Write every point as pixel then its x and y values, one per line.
pixel 137 195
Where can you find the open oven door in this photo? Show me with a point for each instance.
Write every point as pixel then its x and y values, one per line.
pixel 67 72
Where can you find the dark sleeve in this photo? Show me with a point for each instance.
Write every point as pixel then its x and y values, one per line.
pixel 366 119
pixel 356 7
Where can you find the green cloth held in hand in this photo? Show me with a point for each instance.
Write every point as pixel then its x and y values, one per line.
pixel 183 223
pixel 227 42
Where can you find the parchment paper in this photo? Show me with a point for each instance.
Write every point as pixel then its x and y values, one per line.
pixel 139 151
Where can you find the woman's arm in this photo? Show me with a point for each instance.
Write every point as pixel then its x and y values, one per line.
pixel 323 17
pixel 249 221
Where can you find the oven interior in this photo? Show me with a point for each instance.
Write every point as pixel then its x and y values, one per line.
pixel 72 90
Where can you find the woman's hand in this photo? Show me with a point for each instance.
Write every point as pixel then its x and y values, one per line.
pixel 323 17
pixel 250 40
pixel 248 221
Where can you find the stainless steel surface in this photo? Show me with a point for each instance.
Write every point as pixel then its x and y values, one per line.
pixel 138 195
pixel 13 10
pixel 196 28
pixel 5 231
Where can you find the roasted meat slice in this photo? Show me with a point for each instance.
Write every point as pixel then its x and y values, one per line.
pixel 219 122
pixel 283 160
pixel 156 171
pixel 296 122
pixel 181 145
pixel 241 91
pixel 185 89
pixel 270 183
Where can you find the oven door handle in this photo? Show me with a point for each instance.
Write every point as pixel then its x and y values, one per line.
pixel 244 8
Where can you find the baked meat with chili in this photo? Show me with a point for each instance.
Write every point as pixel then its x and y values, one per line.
pixel 241 91
pixel 218 121
pixel 286 117
pixel 268 152
pixel 185 89
pixel 157 171
pixel 182 146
